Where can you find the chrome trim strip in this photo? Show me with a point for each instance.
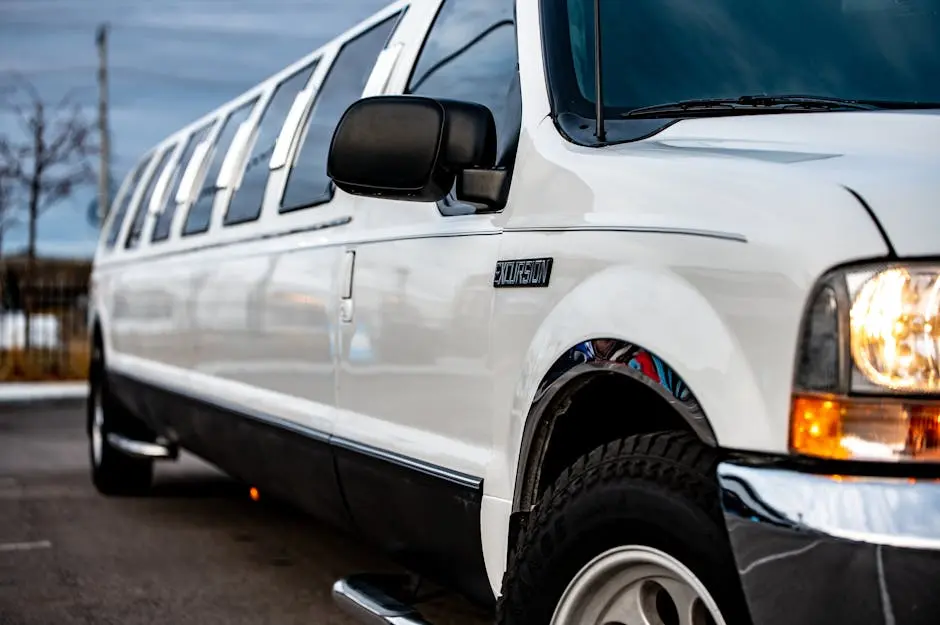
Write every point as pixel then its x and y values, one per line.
pixel 265 418
pixel 226 406
pixel 713 234
pixel 425 235
pixel 135 258
pixel 433 470
pixel 893 512
pixel 140 449
pixel 340 221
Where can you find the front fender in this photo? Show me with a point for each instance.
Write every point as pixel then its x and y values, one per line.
pixel 672 320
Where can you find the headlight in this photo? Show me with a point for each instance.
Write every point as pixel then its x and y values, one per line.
pixel 895 329
pixel 867 379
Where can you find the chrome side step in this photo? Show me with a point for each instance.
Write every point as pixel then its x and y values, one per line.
pixel 140 449
pixel 368 599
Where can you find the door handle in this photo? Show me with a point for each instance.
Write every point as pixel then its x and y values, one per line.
pixel 346 285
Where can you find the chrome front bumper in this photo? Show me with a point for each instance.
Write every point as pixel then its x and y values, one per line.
pixel 830 550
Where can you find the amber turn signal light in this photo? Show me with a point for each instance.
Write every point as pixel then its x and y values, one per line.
pixel 842 428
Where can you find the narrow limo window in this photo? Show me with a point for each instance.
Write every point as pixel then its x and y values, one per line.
pixel 161 229
pixel 121 206
pixel 199 216
pixel 307 183
pixel 140 216
pixel 247 199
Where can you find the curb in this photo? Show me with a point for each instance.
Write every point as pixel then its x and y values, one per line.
pixel 42 395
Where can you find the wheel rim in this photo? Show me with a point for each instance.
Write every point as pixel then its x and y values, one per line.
pixel 636 585
pixel 97 426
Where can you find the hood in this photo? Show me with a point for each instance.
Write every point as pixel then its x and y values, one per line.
pixel 891 159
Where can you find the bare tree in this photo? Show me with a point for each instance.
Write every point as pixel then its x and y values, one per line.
pixel 48 161
pixel 8 215
pixel 52 157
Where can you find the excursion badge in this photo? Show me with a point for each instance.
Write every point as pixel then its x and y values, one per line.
pixel 529 272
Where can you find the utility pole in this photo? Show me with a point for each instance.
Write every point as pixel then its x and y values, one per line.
pixel 104 167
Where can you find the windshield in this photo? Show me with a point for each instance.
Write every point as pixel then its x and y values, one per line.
pixel 659 51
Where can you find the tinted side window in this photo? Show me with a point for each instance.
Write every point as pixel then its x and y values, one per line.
pixel 140 217
pixel 471 55
pixel 120 209
pixel 200 213
pixel 307 182
pixel 161 229
pixel 246 201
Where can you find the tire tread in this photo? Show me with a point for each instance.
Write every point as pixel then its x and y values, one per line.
pixel 676 461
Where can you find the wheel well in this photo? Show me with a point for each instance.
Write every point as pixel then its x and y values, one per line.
pixel 97 347
pixel 601 408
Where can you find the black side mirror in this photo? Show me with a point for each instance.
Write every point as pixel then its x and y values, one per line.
pixel 409 147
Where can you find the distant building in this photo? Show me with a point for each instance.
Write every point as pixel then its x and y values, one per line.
pixel 55 283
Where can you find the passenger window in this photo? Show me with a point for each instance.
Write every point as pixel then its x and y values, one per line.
pixel 199 216
pixel 161 229
pixel 120 209
pixel 248 197
pixel 140 217
pixel 470 54
pixel 307 183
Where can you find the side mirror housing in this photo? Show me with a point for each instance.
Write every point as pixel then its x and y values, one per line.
pixel 409 147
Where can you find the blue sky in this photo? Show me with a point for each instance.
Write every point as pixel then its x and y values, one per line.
pixel 170 62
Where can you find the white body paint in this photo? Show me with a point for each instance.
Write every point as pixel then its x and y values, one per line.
pixel 439 366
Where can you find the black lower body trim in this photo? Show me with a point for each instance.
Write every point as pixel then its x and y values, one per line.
pixel 424 516
pixel 290 465
pixel 427 523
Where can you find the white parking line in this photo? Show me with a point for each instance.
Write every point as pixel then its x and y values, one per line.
pixel 39 544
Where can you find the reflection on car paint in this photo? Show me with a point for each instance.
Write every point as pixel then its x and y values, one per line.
pixel 614 351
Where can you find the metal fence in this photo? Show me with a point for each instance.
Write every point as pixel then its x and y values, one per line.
pixel 43 327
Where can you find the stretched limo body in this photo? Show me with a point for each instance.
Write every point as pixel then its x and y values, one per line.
pixel 422 285
pixel 218 318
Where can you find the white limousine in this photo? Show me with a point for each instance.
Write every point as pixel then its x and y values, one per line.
pixel 595 312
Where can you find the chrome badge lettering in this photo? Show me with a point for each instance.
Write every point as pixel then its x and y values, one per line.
pixel 529 272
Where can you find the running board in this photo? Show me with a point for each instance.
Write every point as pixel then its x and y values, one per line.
pixel 140 449
pixel 368 599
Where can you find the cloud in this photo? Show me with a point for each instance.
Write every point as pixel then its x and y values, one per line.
pixel 308 20
pixel 170 63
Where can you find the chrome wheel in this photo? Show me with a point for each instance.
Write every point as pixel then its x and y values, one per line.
pixel 636 585
pixel 97 426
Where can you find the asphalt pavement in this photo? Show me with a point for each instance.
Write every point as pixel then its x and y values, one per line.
pixel 196 551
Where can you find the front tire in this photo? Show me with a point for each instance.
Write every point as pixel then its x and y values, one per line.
pixel 112 472
pixel 631 533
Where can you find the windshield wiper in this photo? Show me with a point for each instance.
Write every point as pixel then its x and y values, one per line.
pixel 749 103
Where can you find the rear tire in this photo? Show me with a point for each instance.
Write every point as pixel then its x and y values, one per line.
pixel 652 498
pixel 112 472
